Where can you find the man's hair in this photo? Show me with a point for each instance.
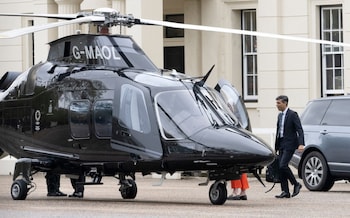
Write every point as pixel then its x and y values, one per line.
pixel 283 98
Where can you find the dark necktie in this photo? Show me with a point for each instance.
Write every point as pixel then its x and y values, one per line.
pixel 280 115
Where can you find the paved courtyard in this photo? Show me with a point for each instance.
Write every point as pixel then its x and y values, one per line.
pixel 175 198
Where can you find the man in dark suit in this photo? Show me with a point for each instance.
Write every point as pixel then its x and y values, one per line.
pixel 289 137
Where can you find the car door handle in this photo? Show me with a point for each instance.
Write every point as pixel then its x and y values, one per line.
pixel 324 132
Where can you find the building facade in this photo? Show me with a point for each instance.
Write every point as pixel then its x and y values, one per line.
pixel 260 68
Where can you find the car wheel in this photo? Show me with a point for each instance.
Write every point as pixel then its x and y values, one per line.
pixel 315 173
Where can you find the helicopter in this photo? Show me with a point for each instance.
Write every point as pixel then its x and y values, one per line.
pixel 98 106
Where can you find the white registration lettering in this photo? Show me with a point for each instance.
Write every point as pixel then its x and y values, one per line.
pixel 76 52
pixel 106 52
pixel 98 53
pixel 115 54
pixel 95 52
pixel 89 51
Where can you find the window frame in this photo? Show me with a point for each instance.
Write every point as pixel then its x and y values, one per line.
pixel 99 136
pixel 124 113
pixel 250 79
pixel 87 123
pixel 173 32
pixel 332 56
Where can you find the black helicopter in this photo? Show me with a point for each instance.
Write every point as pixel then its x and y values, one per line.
pixel 99 107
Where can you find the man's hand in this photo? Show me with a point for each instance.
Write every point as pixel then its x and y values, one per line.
pixel 301 148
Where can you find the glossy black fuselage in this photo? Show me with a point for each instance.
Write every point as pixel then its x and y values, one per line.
pixel 97 101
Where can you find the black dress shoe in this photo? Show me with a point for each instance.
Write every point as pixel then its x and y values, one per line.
pixel 243 197
pixel 297 188
pixel 231 197
pixel 52 194
pixel 77 195
pixel 283 195
pixel 56 194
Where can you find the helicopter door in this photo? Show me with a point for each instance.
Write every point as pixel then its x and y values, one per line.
pixel 134 122
pixel 234 99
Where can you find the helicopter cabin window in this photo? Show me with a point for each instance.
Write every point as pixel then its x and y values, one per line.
pixel 250 57
pixel 103 118
pixel 332 55
pixel 79 112
pixel 133 112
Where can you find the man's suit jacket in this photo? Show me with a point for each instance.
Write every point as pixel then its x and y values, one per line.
pixel 293 134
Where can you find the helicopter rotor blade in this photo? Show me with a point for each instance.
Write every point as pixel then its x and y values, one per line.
pixel 32 29
pixel 110 17
pixel 238 31
pixel 55 16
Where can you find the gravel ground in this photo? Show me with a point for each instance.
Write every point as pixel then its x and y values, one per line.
pixel 175 198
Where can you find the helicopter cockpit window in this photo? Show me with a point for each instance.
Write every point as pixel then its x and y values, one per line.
pixel 133 112
pixel 220 106
pixel 133 54
pixel 79 119
pixel 101 50
pixel 103 118
pixel 235 105
pixel 179 114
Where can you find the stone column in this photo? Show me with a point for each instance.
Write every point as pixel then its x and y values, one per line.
pixel 41 38
pixel 213 43
pixel 150 38
pixel 193 38
pixel 118 5
pixel 68 7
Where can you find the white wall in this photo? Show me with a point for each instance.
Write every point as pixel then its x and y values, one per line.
pixel 7 165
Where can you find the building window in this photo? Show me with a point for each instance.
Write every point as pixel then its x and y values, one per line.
pixel 332 55
pixel 250 58
pixel 174 58
pixel 174 50
pixel 174 32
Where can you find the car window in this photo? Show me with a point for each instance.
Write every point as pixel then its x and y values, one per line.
pixel 338 113
pixel 314 112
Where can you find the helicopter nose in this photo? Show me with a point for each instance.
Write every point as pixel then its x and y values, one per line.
pixel 237 146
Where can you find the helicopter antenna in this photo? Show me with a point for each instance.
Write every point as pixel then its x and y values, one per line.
pixel 201 83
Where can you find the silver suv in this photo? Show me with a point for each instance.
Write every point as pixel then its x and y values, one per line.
pixel 326 158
